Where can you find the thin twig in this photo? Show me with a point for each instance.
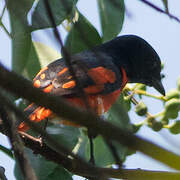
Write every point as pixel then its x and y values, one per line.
pixel 160 10
pixel 1 23
pixel 142 92
pixel 3 11
pixel 7 151
pixel 5 29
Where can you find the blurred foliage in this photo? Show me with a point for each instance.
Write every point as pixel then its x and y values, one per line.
pixel 28 58
pixel 44 169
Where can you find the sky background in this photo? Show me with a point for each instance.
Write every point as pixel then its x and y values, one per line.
pixel 160 31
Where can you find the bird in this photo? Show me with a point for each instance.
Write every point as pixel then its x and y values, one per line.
pixel 101 73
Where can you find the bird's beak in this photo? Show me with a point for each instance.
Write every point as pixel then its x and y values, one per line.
pixel 157 84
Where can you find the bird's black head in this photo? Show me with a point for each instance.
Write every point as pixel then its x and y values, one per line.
pixel 139 59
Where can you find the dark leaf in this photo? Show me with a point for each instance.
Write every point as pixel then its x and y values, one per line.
pixel 44 169
pixel 112 17
pixel 67 135
pixel 82 36
pixel 60 173
pixel 33 65
pixel 60 8
pixel 21 37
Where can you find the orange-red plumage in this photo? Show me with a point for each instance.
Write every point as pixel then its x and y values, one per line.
pixel 102 73
pixel 98 102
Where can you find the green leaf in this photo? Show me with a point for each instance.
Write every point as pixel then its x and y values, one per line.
pixel 20 8
pixel 67 135
pixel 112 17
pixel 40 56
pixel 45 53
pixel 82 36
pixel 44 169
pixel 60 172
pixel 118 114
pixel 80 147
pixel 32 65
pixel 165 2
pixel 21 37
pixel 175 127
pixel 60 8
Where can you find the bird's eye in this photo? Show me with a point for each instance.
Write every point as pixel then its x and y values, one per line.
pixel 162 76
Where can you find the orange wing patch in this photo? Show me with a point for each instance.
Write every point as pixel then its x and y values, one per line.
pixel 70 84
pixel 38 115
pixel 42 70
pixel 48 89
pixel 62 71
pixel 37 83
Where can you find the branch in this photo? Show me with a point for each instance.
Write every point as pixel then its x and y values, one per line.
pixel 160 10
pixel 58 150
pixel 16 85
pixel 72 165
pixel 9 122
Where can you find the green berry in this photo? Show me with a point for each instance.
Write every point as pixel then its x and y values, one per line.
pixel 150 121
pixel 157 126
pixel 175 128
pixel 141 109
pixel 173 93
pixel 172 108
